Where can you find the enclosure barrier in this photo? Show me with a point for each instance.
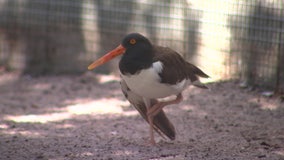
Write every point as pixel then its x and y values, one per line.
pixel 227 39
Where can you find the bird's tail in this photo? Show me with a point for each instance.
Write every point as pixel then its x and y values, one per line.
pixel 197 73
pixel 162 124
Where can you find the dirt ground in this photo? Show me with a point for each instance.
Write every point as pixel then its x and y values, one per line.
pixel 87 117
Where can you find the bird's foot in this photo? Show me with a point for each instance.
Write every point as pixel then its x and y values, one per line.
pixel 154 110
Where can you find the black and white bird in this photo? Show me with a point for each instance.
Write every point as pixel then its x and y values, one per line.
pixel 150 72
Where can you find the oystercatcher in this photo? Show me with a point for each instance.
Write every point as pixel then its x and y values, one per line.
pixel 149 72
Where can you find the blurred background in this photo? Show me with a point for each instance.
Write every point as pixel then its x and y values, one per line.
pixel 234 39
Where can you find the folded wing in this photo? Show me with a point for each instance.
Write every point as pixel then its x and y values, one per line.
pixel 162 124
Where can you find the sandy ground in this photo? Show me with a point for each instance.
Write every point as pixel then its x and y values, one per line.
pixel 87 117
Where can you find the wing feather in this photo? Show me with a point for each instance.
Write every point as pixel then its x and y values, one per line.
pixel 175 68
pixel 162 124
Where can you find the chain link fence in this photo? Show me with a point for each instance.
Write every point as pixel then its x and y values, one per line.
pixel 227 39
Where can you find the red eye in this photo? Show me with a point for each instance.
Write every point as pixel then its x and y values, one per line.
pixel 132 41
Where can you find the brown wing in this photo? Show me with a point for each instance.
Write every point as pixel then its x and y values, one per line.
pixel 162 124
pixel 175 68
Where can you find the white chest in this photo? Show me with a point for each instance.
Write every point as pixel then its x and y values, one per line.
pixel 147 83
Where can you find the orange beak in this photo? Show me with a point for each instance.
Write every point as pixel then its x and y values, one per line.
pixel 110 55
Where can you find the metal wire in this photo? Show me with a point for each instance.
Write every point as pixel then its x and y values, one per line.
pixel 229 39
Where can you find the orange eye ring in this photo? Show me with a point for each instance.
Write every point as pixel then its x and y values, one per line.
pixel 132 41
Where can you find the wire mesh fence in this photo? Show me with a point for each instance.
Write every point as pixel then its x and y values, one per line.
pixel 257 39
pixel 227 39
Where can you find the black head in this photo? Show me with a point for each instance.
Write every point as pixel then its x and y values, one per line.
pixel 136 40
pixel 138 53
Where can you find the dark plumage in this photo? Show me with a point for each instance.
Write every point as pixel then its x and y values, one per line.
pixel 149 72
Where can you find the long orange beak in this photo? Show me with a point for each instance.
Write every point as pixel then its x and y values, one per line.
pixel 110 55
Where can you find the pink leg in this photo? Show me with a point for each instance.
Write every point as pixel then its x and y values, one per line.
pixel 152 140
pixel 159 106
pixel 154 110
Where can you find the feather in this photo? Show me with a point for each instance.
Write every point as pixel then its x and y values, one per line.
pixel 162 124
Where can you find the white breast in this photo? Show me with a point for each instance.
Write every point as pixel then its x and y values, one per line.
pixel 147 83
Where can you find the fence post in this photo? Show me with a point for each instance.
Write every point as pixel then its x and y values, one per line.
pixel 279 56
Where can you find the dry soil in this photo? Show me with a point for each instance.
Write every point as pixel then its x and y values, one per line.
pixel 87 117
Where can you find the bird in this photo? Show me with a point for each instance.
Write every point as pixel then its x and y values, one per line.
pixel 149 73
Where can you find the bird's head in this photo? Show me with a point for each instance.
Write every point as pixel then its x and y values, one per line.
pixel 131 42
pixel 135 40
